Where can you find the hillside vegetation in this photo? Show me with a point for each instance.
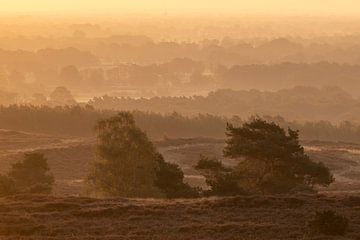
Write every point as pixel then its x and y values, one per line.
pixel 243 218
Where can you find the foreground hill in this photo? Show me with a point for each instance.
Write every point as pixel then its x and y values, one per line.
pixel 255 218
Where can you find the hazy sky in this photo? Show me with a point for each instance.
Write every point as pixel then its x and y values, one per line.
pixel 174 6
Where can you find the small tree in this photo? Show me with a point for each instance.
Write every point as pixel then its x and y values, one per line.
pixel 28 176
pixel 273 158
pixel 127 159
pixel 130 166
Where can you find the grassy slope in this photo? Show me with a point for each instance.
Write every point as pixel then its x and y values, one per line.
pixel 250 218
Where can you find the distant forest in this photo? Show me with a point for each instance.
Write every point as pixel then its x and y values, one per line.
pixel 298 103
pixel 229 51
pixel 79 121
pixel 131 65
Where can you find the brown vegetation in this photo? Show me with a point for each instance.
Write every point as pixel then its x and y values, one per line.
pixel 246 218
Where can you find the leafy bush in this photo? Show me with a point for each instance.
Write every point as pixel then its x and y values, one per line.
pixel 329 223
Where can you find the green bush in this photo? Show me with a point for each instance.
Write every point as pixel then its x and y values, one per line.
pixel 328 222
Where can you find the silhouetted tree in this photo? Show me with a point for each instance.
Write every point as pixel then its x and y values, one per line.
pixel 31 175
pixel 273 160
pixel 127 159
pixel 129 164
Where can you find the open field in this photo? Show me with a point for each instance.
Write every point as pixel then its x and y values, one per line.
pixel 242 218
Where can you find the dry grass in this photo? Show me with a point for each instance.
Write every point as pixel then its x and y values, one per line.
pixel 250 218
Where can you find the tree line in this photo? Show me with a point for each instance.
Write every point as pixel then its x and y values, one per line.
pixel 79 121
pixel 299 103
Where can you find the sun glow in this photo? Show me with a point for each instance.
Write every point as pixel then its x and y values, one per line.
pixel 179 6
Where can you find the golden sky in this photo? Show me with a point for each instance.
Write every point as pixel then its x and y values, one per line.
pixel 334 7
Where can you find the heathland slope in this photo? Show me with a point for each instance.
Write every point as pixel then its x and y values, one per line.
pixel 255 218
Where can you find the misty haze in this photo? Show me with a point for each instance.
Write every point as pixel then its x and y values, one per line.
pixel 175 120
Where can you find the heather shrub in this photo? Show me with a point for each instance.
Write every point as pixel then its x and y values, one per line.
pixel 328 222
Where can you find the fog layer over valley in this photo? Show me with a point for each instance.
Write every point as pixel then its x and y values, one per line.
pixel 139 57
pixel 197 125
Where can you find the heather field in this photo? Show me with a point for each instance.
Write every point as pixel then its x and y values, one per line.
pixel 242 218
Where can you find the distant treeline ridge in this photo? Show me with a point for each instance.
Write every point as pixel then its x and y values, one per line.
pixel 79 122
